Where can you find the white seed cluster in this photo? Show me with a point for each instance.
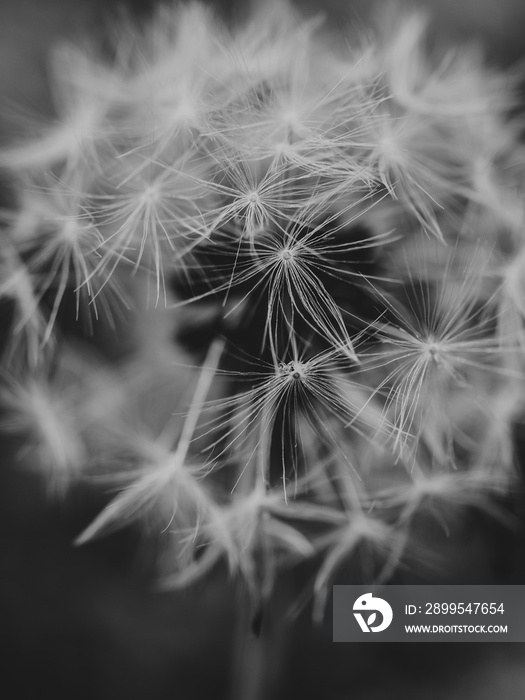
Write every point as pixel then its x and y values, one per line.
pixel 309 252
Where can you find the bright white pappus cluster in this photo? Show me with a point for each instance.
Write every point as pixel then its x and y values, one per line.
pixel 309 250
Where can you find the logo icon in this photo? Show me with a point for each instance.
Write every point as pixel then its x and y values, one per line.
pixel 368 604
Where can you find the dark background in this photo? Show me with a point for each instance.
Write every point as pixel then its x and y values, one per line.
pixel 86 623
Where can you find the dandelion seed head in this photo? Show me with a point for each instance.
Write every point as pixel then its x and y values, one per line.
pixel 432 349
pixel 151 194
pixel 295 370
pixel 287 255
pixel 335 231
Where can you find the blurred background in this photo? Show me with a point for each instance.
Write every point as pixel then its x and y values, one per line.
pixel 87 623
pixel 29 27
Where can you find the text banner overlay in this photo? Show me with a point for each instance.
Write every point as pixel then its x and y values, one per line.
pixel 429 613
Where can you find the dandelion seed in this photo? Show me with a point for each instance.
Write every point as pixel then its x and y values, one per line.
pixel 29 325
pixel 258 542
pixel 433 350
pixel 150 215
pixel 166 472
pixel 45 415
pixel 444 496
pixel 360 530
pixel 61 246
